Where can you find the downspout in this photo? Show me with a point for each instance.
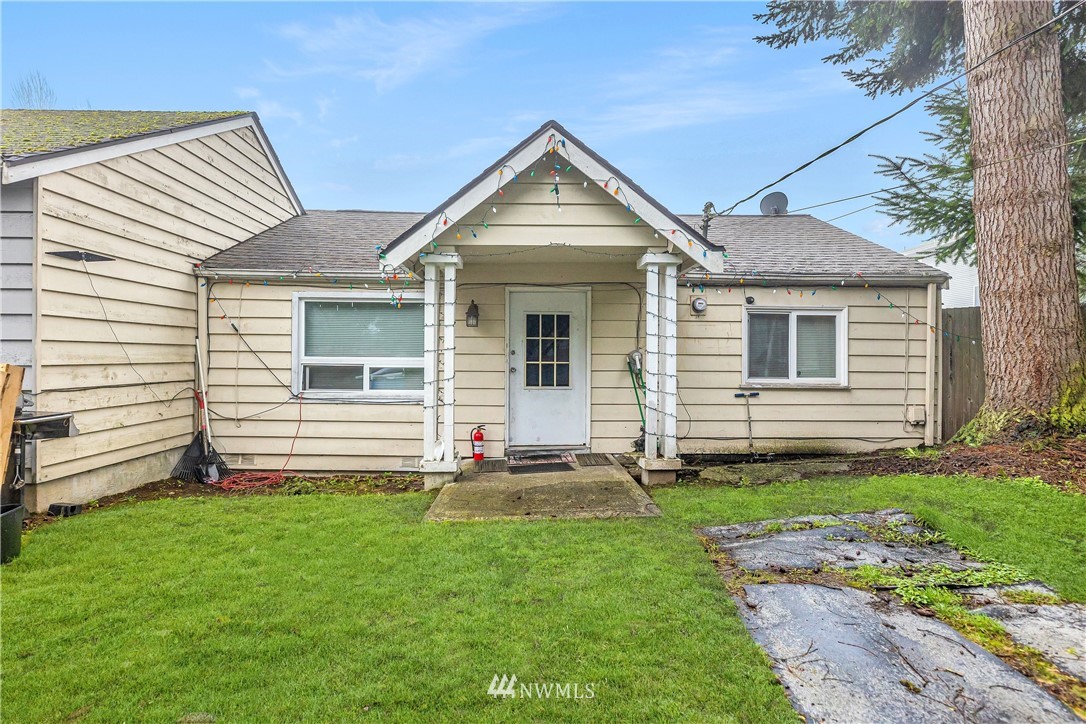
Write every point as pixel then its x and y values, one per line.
pixel 929 376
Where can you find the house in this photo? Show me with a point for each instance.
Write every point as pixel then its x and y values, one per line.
pixel 962 288
pixel 103 215
pixel 532 301
pixel 370 340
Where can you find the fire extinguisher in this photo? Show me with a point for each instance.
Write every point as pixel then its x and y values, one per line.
pixel 477 442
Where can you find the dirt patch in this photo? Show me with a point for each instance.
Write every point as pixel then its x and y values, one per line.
pixel 379 484
pixel 1060 462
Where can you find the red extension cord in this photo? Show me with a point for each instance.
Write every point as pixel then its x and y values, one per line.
pixel 248 481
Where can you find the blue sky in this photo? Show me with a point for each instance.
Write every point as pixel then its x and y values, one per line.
pixel 395 106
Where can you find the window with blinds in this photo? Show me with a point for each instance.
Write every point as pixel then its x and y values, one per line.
pixel 795 346
pixel 360 346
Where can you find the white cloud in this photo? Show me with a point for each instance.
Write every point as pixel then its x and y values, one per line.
pixel 324 104
pixel 342 142
pixel 392 53
pixel 704 79
pixel 275 109
pixel 489 147
pixel 268 108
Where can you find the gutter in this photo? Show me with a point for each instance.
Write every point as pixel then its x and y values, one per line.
pixel 794 280
pixel 287 274
pixel 930 366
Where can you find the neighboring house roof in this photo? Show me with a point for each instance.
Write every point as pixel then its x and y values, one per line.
pixel 34 143
pixel 519 158
pixel 801 246
pixel 26 133
pixel 325 241
pixel 784 247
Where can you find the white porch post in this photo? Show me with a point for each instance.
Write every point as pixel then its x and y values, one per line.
pixel 429 362
pixel 661 384
pixel 671 368
pixel 448 343
pixel 439 463
pixel 652 361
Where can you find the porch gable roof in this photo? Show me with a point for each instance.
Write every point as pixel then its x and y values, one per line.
pixel 552 138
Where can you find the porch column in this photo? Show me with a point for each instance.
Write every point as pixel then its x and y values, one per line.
pixel 439 463
pixel 448 363
pixel 661 458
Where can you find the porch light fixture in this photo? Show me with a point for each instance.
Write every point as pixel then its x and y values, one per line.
pixel 473 314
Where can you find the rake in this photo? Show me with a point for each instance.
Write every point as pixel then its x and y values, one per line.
pixel 200 461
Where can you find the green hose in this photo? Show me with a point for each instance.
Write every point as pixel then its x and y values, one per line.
pixel 637 392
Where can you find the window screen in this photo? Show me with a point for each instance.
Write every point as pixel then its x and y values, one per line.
pixel 767 346
pixel 361 346
pixel 816 346
pixel 362 329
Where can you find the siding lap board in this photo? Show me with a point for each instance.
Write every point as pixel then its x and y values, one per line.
pixel 155 215
pixel 17 278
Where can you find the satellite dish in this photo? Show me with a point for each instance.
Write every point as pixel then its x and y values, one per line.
pixel 774 204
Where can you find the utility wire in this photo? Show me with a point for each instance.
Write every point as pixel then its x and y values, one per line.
pixel 933 176
pixel 898 112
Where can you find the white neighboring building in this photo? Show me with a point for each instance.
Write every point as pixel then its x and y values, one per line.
pixel 963 289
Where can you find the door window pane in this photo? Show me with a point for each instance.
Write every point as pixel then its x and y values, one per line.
pixel 767 346
pixel 816 346
pixel 561 374
pixel 546 350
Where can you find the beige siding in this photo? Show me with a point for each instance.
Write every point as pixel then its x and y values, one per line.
pixel 518 249
pixel 155 213
pixel 868 414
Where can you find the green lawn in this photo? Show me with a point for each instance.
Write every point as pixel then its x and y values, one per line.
pixel 322 607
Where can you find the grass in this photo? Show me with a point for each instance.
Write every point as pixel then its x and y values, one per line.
pixel 335 607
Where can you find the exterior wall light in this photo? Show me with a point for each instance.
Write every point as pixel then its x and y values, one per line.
pixel 473 314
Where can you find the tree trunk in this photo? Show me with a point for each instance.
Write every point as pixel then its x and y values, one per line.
pixel 1033 342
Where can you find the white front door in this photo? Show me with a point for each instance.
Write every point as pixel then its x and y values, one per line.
pixel 548 369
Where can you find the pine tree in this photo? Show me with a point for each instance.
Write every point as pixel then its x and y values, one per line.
pixel 1034 350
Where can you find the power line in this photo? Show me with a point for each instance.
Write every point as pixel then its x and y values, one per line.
pixel 899 111
pixel 932 176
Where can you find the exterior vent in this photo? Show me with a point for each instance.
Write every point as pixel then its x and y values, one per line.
pixel 238 459
pixel 410 463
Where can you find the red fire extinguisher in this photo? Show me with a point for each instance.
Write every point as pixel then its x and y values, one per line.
pixel 477 442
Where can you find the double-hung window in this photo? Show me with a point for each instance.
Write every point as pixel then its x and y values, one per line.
pixel 351 346
pixel 795 346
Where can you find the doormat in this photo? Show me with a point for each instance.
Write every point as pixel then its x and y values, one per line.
pixel 588 460
pixel 540 458
pixel 490 465
pixel 527 469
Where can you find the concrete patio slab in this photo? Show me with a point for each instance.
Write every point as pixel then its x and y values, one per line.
pixel 584 492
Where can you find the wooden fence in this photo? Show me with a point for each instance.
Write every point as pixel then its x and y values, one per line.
pixel 963 368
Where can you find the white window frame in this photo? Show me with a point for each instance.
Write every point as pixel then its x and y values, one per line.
pixel 839 381
pixel 299 360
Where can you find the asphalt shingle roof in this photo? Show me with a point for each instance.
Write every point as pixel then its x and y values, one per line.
pixel 801 245
pixel 781 246
pixel 27 133
pixel 324 240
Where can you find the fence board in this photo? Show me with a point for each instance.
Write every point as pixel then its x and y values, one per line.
pixel 963 367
